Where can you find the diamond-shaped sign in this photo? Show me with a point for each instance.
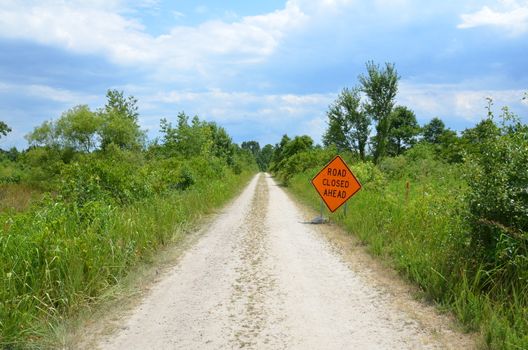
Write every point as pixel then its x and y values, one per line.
pixel 336 183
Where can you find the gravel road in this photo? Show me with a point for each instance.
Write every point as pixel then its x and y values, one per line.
pixel 262 278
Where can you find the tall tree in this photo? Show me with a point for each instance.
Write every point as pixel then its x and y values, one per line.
pixel 403 130
pixel 44 135
pixel 4 129
pixel 78 127
pixel 264 157
pixel 119 122
pixel 380 87
pixel 279 152
pixel 433 130
pixel 117 103
pixel 348 124
pixel 252 146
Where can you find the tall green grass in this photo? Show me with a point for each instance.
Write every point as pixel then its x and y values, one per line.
pixel 423 232
pixel 57 258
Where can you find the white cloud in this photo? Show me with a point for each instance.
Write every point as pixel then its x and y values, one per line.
pixel 454 101
pixel 512 17
pixel 65 97
pixel 264 117
pixel 102 29
pixel 232 106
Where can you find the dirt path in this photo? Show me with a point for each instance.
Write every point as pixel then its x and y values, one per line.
pixel 260 278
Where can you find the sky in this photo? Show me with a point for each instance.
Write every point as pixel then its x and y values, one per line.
pixel 258 68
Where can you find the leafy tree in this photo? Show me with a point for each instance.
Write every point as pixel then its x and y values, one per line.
pixel 473 138
pixel 450 147
pixel 119 122
pixel 252 146
pixel 197 138
pixel 348 124
pixel 403 130
pixel 380 86
pixel 278 152
pixel 44 135
pixel 222 146
pixel 78 128
pixel 183 140
pixel 4 129
pixel 118 104
pixel 433 130
pixel 264 157
pixel 498 197
pixel 12 154
pixel 297 145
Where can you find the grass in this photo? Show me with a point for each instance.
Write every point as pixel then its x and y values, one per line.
pixel 423 233
pixel 55 260
pixel 17 197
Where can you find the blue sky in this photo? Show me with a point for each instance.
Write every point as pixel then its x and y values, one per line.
pixel 259 68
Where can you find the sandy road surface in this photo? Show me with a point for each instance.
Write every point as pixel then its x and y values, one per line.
pixel 260 278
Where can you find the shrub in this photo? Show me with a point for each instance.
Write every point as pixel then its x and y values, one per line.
pixel 498 201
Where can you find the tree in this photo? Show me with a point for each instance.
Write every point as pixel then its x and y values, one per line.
pixel 297 145
pixel 278 152
pixel 4 129
pixel 380 86
pixel 197 138
pixel 119 122
pixel 251 146
pixel 433 131
pixel 348 124
pixel 264 157
pixel 222 146
pixel 117 103
pixel 403 130
pixel 44 135
pixel 78 128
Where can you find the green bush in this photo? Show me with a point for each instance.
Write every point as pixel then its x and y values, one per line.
pixel 300 162
pixel 498 201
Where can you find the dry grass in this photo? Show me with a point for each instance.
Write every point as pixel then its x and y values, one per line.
pixel 17 197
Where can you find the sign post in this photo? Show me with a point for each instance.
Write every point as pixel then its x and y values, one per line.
pixel 336 183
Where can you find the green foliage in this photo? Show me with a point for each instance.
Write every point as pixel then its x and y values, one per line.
pixel 251 146
pixel 82 130
pixel 4 129
pixel 120 129
pixel 118 104
pixel 433 131
pixel 78 128
pixel 498 200
pixel 403 130
pixel 287 148
pixel 380 87
pixel 303 160
pixel 348 124
pixel 262 156
pixel 60 257
pixel 109 203
pixel 199 138
pixel 451 214
pixel 44 135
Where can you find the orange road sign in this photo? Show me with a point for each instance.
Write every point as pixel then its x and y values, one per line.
pixel 336 183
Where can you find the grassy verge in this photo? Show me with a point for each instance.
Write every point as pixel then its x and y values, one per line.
pixel 17 197
pixel 422 232
pixel 56 260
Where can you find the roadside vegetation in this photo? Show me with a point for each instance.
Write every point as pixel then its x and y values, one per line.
pixel 448 210
pixel 91 198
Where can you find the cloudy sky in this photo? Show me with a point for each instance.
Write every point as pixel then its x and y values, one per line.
pixel 259 68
